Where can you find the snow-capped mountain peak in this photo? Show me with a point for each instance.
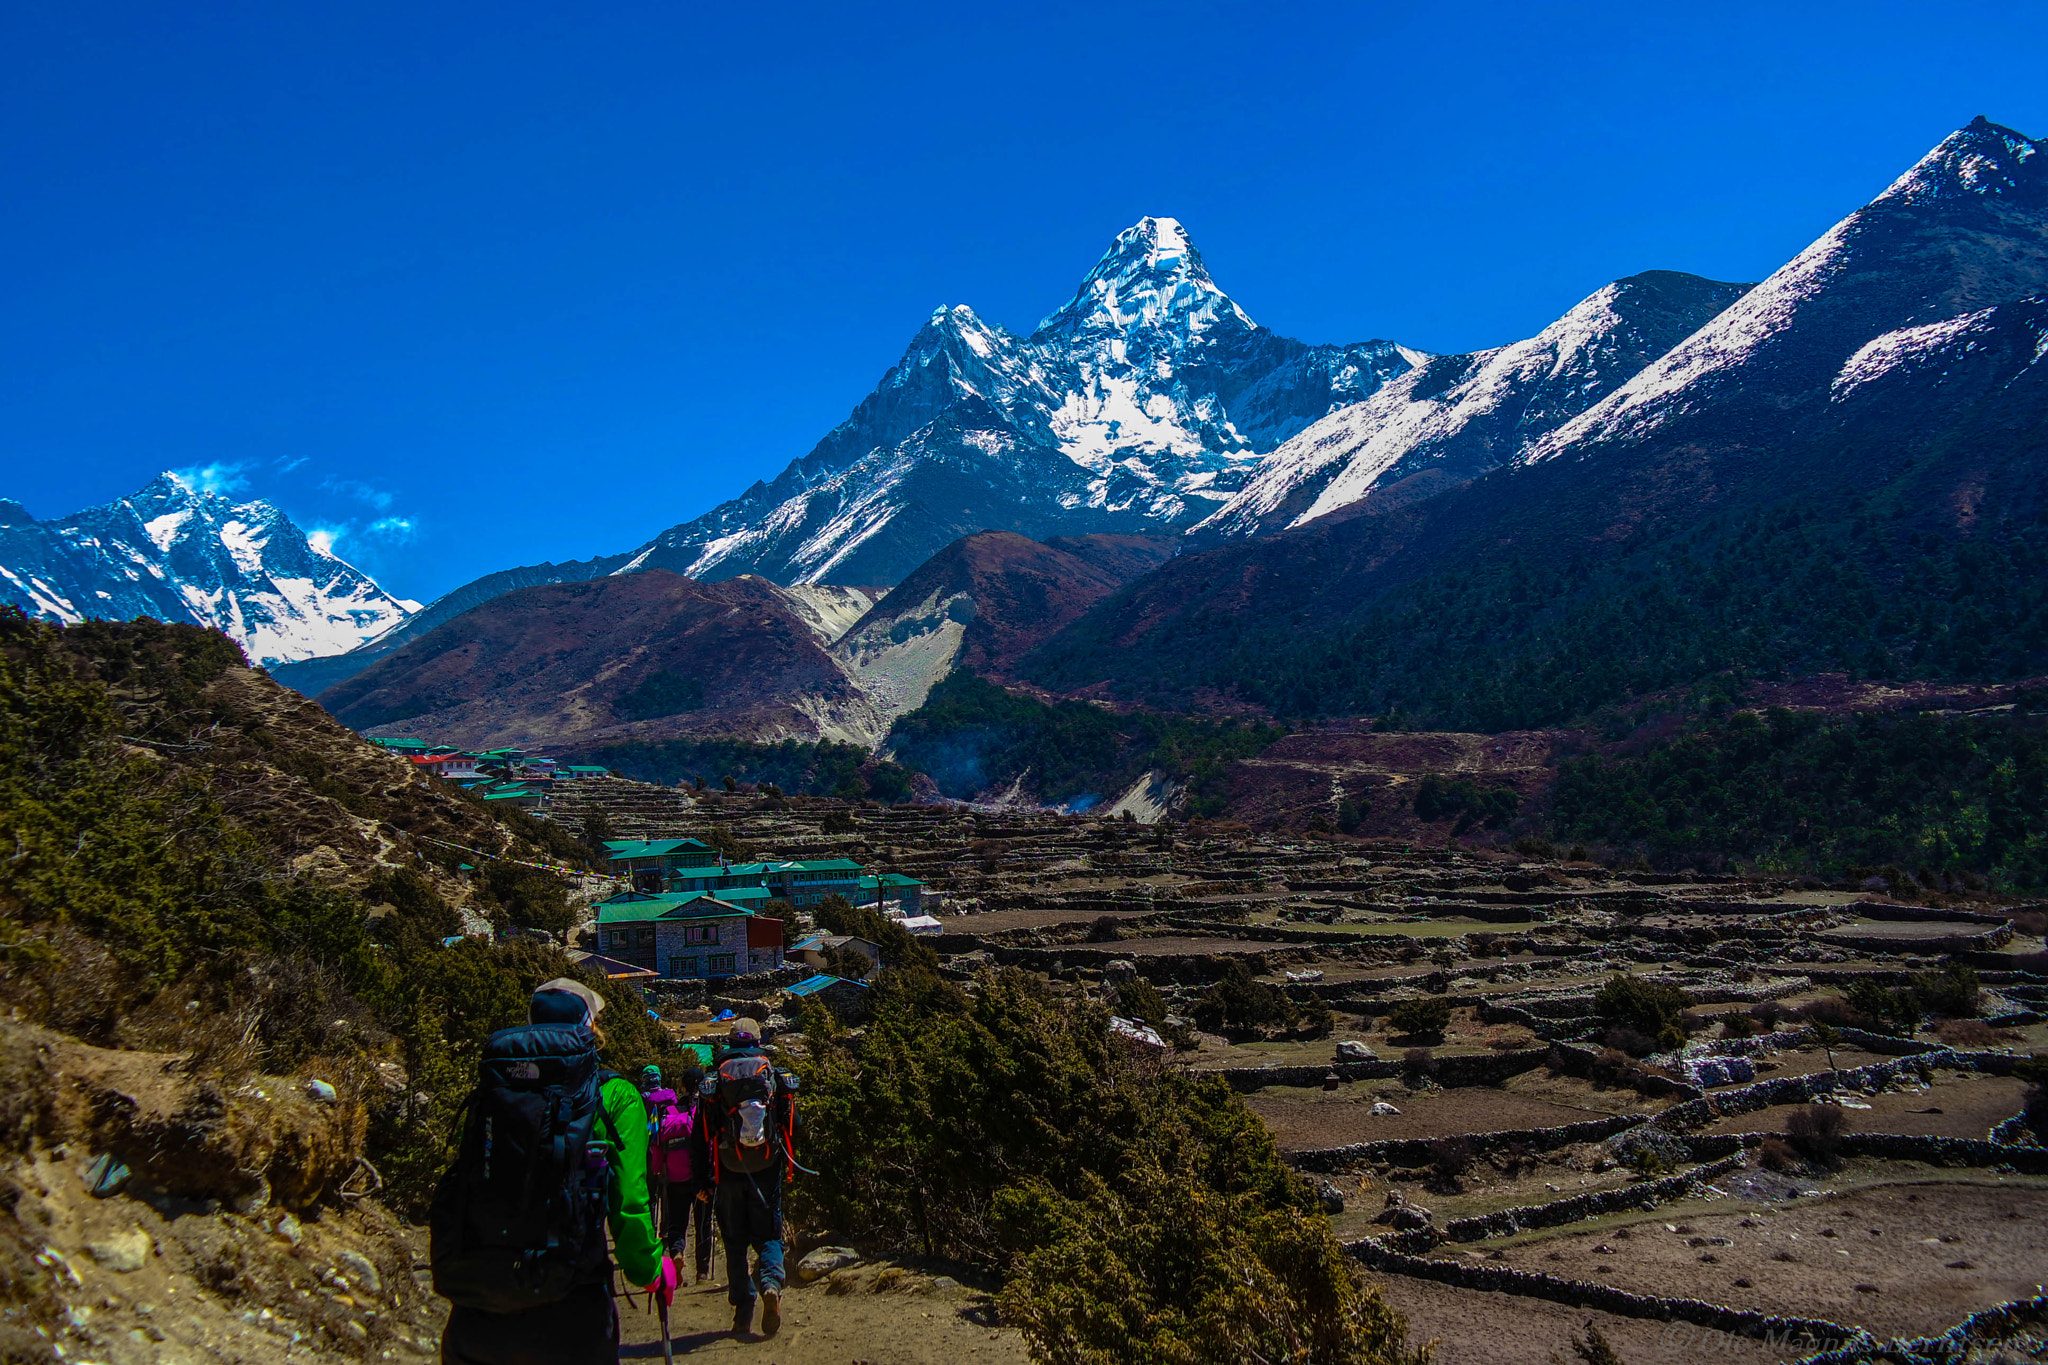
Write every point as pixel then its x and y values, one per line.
pixel 1982 158
pixel 1152 276
pixel 1118 413
pixel 178 553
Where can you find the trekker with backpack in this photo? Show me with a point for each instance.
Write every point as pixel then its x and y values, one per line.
pixel 750 1127
pixel 678 1166
pixel 552 1149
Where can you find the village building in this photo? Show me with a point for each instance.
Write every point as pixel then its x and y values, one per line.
pixel 815 949
pixel 652 864
pixel 451 764
pixel 805 884
pixel 848 1000
pixel 579 771
pixel 721 878
pixel 612 967
pixel 892 893
pixel 688 935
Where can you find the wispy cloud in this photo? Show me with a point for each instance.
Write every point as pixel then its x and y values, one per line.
pixel 212 478
pixel 394 529
pixel 324 538
pixel 360 491
pixel 285 464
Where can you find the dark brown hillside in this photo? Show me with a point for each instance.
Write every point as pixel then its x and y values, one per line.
pixel 645 655
pixel 1018 592
pixel 1121 557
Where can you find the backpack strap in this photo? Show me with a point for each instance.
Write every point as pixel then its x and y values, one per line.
pixel 604 1114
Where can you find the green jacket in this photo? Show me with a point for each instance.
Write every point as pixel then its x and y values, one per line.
pixel 632 1217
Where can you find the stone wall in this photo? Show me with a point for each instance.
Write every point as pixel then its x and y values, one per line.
pixel 1981 1328
pixel 1742 1322
pixel 1591 1204
pixel 1801 1089
pixel 1416 1151
pixel 1483 1068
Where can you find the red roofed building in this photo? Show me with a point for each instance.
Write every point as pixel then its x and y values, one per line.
pixel 446 765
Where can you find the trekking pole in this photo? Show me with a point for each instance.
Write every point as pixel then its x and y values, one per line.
pixel 668 1350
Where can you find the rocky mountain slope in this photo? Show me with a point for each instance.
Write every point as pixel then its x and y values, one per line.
pixel 648 655
pixel 982 603
pixel 1844 469
pixel 176 553
pixel 1457 417
pixel 653 655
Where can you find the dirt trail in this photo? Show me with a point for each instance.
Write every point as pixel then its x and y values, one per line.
pixel 918 1325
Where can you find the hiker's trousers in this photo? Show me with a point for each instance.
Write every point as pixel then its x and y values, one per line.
pixel 581 1328
pixel 750 1218
pixel 682 1212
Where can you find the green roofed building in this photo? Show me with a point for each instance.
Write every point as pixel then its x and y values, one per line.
pixel 689 934
pixel 892 891
pixel 407 744
pixel 653 863
pixel 807 883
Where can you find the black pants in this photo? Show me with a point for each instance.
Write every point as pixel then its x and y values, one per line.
pixel 581 1328
pixel 681 1212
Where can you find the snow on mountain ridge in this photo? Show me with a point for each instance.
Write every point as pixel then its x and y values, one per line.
pixel 1116 413
pixel 1965 227
pixel 179 553
pixel 1895 350
pixel 1458 416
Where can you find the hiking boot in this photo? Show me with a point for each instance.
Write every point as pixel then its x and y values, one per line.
pixel 743 1320
pixel 771 1312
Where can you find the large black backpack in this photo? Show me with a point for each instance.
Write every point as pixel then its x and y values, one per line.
pixel 519 1219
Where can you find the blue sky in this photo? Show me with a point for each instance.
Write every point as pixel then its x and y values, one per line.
pixel 478 285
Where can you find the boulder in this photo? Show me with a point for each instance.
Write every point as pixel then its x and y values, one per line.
pixel 124 1252
pixel 1331 1198
pixel 1401 1215
pixel 824 1261
pixel 1382 1108
pixel 1349 1051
